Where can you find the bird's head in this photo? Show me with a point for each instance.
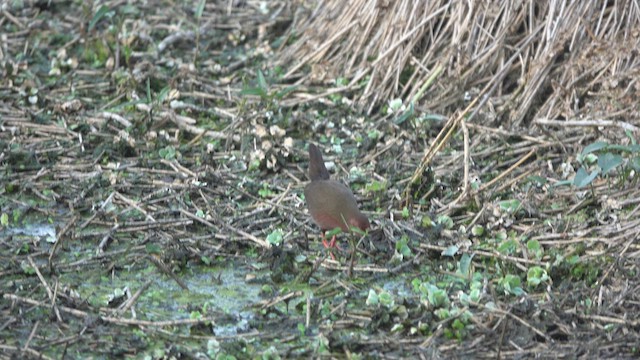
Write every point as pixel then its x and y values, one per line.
pixel 361 222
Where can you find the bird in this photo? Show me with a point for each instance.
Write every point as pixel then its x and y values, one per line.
pixel 330 203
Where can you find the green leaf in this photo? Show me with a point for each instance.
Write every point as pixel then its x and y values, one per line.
pixel 372 298
pixel 397 328
pixel 286 91
pixel 536 275
pixel 508 247
pixel 163 94
pixel 342 81
pixel 475 295
pixel 609 161
pixel 405 212
pixel 588 159
pixel 265 192
pixel 511 284
pixel 194 315
pixel 376 186
pixel 426 221
pixel 562 183
pixel 583 178
pixel 275 237
pixel 477 230
pixel 535 249
pixel 457 324
pixel 333 232
pixel 254 91
pixel 200 9
pixel 634 162
pixel 436 296
pixel 402 246
pixel 443 314
pixel 450 251
pixel 27 268
pixel 407 114
pixel 374 134
pixel 102 11
pixel 464 265
pixel 446 221
pixel 153 249
pixel 167 153
pixel 395 104
pixel 598 145
pixel 510 206
pixel 386 299
pixel 262 82
pixel 624 148
pixel 149 99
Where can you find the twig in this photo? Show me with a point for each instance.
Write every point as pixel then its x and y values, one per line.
pixel 34 354
pixel 485 253
pixel 515 317
pixel 60 238
pixel 334 265
pixel 132 300
pixel 31 335
pixel 168 272
pixel 582 123
pixel 506 172
pixel 260 242
pixel 113 320
pixel 270 303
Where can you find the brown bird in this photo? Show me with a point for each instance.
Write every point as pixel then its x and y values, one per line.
pixel 330 203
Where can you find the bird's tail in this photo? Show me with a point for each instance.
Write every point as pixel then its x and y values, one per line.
pixel 317 170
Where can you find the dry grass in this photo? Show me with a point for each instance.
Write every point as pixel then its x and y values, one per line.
pixel 549 60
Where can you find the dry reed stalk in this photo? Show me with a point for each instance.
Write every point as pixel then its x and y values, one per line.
pixel 577 48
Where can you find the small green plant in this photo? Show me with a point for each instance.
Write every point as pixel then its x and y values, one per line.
pixel 267 96
pixel 601 159
pixel 477 230
pixel 511 284
pixel 102 12
pixel 376 186
pixel 460 326
pixel 198 14
pixel 302 329
pixel 510 206
pixel 534 248
pixel 153 249
pixel 167 153
pixel 275 237
pixel 265 192
pixel 588 272
pixel 536 275
pixel 194 315
pixel 380 298
pixel 433 294
pixel 402 246
pixel 445 221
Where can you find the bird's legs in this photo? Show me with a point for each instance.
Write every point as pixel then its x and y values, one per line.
pixel 330 245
